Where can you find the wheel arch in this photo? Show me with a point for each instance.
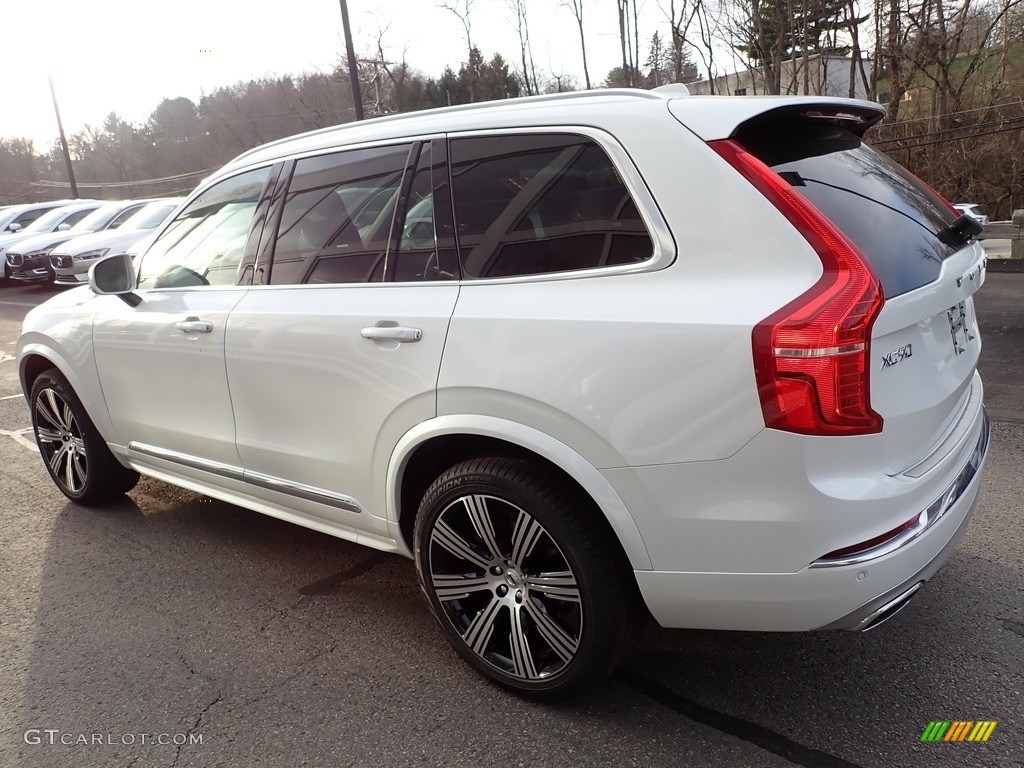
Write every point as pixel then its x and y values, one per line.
pixel 34 359
pixel 33 364
pixel 433 446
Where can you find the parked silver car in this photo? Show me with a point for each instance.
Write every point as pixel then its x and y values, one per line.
pixel 59 219
pixel 71 260
pixel 29 261
pixel 15 218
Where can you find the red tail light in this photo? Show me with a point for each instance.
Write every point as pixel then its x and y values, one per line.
pixel 812 357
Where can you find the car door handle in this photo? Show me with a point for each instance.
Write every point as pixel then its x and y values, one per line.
pixel 194 325
pixel 391 333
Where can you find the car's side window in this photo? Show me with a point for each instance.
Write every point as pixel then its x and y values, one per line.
pixel 76 217
pixel 123 216
pixel 204 243
pixel 426 241
pixel 26 218
pixel 336 223
pixel 541 203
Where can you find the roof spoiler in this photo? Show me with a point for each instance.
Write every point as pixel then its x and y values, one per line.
pixel 722 117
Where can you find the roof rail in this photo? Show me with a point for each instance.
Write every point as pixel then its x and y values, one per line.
pixel 637 93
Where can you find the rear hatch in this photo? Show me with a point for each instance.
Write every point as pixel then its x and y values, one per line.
pixel 924 342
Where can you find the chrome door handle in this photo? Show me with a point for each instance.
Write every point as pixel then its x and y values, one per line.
pixel 194 325
pixel 391 333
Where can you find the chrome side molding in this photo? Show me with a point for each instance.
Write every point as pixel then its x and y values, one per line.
pixel 300 491
pixel 268 482
pixel 204 465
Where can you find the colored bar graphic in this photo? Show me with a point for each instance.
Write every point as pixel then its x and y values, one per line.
pixel 982 730
pixel 958 730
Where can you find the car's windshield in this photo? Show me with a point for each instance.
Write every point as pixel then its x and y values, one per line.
pixel 150 215
pixel 98 219
pixel 47 221
pixel 7 216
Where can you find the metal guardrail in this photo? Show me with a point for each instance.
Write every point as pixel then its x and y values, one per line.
pixel 1012 230
pixel 1000 230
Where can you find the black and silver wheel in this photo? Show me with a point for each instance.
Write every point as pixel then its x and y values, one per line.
pixel 528 586
pixel 75 454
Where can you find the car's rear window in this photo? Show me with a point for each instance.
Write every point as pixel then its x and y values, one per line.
pixel 886 211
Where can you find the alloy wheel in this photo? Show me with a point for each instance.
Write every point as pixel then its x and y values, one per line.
pixel 60 441
pixel 505 586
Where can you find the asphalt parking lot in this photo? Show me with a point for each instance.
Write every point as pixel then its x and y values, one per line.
pixel 172 630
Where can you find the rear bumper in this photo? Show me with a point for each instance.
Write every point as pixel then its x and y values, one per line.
pixel 855 597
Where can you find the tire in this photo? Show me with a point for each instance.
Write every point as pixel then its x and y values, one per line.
pixel 528 587
pixel 75 454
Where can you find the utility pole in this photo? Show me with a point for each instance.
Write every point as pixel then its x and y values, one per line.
pixel 64 141
pixel 353 71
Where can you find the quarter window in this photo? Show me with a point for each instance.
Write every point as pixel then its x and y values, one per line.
pixel 204 243
pixel 541 203
pixel 336 222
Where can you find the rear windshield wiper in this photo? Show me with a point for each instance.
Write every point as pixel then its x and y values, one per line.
pixel 954 235
pixel 960 231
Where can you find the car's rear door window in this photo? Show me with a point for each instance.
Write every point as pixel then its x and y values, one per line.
pixel 541 203
pixel 886 211
pixel 336 223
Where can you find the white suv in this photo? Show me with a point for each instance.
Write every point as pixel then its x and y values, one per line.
pixel 581 356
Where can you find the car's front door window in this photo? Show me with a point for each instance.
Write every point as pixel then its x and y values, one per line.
pixel 204 243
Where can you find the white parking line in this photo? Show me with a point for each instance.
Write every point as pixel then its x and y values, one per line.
pixel 11 397
pixel 19 436
pixel 18 304
pixel 4 357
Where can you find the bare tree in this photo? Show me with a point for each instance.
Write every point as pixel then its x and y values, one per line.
pixel 951 45
pixel 576 6
pixel 462 11
pixel 625 44
pixel 680 15
pixel 529 71
pixel 709 32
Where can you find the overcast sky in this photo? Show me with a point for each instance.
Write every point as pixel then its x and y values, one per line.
pixel 127 55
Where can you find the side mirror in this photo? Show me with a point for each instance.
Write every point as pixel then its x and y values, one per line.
pixel 14 227
pixel 63 227
pixel 115 276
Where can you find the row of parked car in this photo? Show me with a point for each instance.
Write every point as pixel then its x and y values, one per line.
pixel 59 240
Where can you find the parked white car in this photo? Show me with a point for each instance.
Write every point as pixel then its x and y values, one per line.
pixel 61 218
pixel 71 260
pixel 29 260
pixel 973 210
pixel 712 359
pixel 14 218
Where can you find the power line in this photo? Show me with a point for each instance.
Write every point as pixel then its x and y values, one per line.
pixel 135 183
pixel 974 128
pixel 958 138
pixel 951 114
